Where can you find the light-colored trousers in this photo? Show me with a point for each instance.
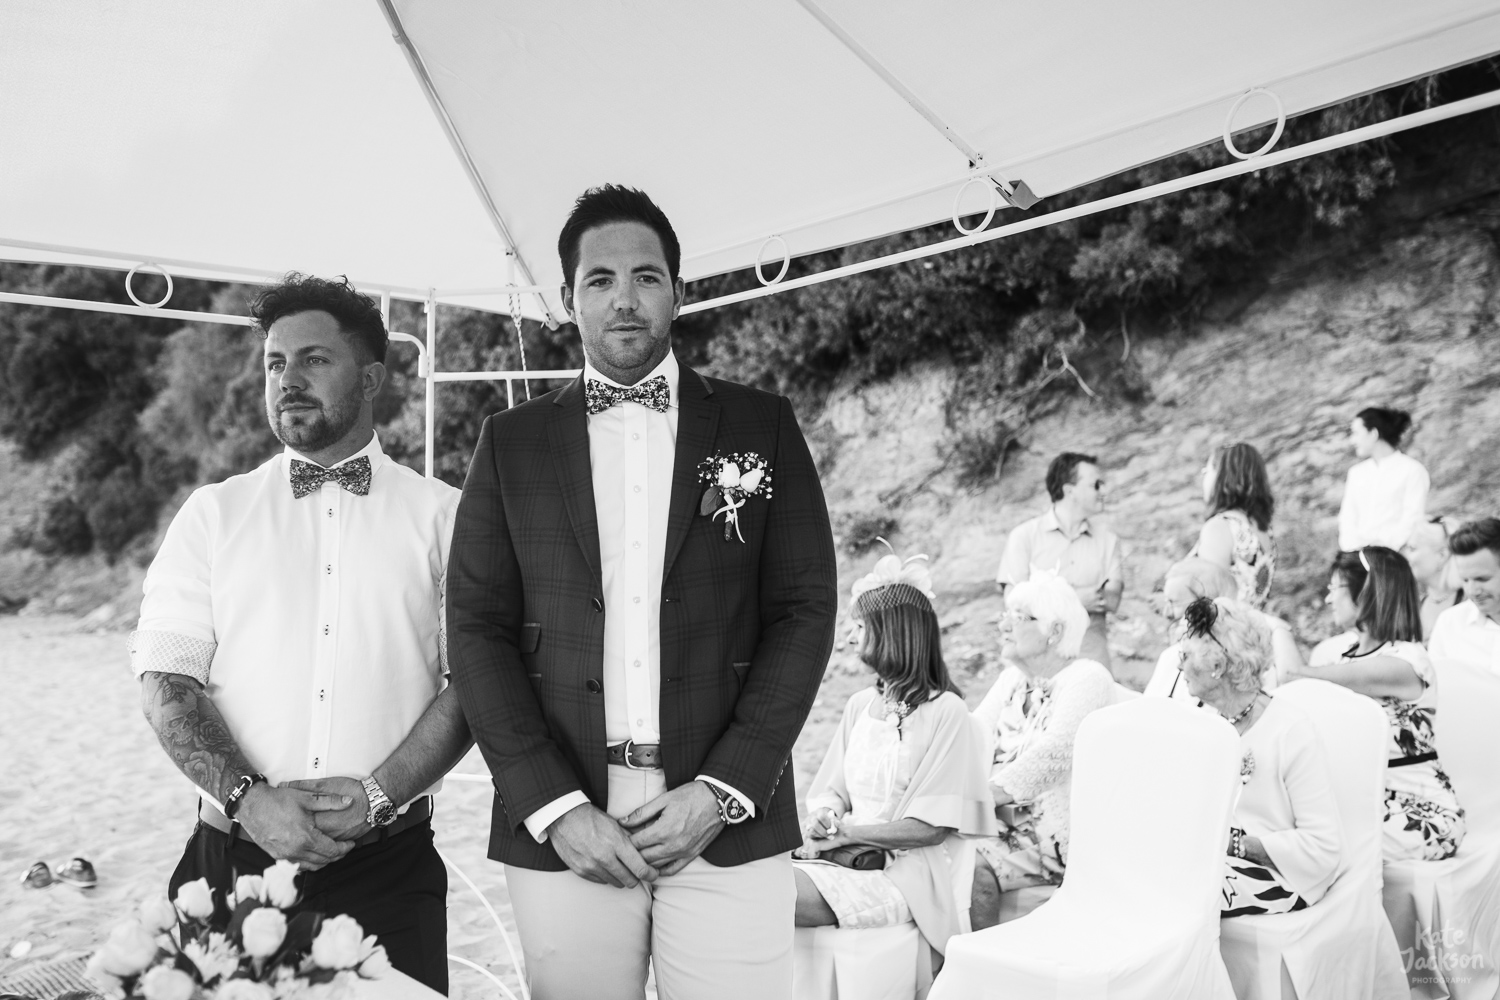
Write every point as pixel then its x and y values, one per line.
pixel 710 932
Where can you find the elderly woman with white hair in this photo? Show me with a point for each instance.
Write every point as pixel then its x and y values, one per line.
pixel 1041 633
pixel 1284 846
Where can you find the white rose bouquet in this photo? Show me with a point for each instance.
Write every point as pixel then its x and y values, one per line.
pixel 248 948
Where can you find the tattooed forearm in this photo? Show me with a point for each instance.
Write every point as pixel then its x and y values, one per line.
pixel 192 732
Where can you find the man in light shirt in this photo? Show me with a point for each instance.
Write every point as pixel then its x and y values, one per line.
pixel 290 649
pixel 635 658
pixel 1469 632
pixel 1065 539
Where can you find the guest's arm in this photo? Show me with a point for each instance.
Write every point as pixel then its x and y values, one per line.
pixel 1413 505
pixel 193 733
pixel 437 742
pixel 1216 542
pixel 1373 676
pixel 898 835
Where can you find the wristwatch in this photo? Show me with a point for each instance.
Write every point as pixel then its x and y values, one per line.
pixel 382 809
pixel 731 811
pixel 237 793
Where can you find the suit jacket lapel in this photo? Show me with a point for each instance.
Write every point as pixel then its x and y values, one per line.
pixel 568 434
pixel 697 423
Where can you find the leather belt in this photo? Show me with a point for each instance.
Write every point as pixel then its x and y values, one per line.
pixel 636 756
pixel 1419 758
pixel 419 812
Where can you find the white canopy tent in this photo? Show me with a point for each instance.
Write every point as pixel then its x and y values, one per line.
pixel 430 149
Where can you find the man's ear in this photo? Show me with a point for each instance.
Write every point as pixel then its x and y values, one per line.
pixel 679 295
pixel 373 378
pixel 567 300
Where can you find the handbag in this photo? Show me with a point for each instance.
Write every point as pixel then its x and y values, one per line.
pixel 862 859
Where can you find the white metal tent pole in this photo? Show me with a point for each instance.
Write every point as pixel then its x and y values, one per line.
pixel 85 305
pixel 430 409
pixel 1317 146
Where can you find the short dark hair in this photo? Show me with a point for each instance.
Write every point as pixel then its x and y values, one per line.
pixel 1241 483
pixel 903 645
pixel 1389 424
pixel 1389 608
pixel 357 314
pixel 599 206
pixel 1475 535
pixel 1064 471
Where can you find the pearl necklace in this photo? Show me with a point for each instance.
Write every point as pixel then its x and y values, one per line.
pixel 1240 717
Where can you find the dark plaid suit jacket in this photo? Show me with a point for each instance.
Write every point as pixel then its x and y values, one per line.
pixel 746 628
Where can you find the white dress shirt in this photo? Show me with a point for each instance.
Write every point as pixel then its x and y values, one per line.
pixel 314 623
pixel 1467 635
pixel 1383 501
pixel 632 452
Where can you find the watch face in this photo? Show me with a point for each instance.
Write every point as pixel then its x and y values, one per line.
pixel 385 814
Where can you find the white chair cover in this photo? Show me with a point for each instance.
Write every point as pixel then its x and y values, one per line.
pixel 1446 914
pixel 1136 917
pixel 879 963
pixel 1341 947
pixel 1124 694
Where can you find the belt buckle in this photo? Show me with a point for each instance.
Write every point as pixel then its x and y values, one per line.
pixel 627 747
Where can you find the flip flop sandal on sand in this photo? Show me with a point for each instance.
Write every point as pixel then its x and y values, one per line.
pixel 78 872
pixel 38 876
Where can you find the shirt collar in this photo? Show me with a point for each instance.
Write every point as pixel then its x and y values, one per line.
pixel 372 451
pixel 1051 523
pixel 667 368
pixel 1473 616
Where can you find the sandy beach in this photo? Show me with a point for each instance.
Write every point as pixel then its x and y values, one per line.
pixel 82 775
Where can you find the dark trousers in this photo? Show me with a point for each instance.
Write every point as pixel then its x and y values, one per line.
pixel 396 888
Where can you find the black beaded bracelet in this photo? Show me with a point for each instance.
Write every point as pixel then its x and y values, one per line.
pixel 237 794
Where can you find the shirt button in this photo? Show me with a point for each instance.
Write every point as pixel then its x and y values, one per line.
pixel 637 663
pixel 321 694
pixel 637 544
pixel 330 512
pixel 316 760
pixel 330 569
pixel 640 722
pixel 635 437
pixel 594 686
pixel 636 599
pixel 325 629
pixel 637 489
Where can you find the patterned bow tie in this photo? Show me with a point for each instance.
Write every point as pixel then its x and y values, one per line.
pixel 353 476
pixel 653 393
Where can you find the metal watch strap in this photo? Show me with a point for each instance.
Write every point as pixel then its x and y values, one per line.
pixel 731 810
pixel 237 793
pixel 382 811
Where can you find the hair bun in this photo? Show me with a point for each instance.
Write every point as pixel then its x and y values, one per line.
pixel 1199 617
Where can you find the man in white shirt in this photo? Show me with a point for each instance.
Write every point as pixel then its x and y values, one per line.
pixel 1064 539
pixel 637 634
pixel 290 648
pixel 1469 632
pixel 1385 495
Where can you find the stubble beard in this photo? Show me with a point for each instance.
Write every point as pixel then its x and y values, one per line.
pixel 313 430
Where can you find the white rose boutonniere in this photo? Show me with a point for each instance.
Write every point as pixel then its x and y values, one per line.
pixel 732 480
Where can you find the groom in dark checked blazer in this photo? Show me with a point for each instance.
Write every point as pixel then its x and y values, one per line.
pixel 634 660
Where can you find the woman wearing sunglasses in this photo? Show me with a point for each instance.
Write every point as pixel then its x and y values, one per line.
pixel 1373 594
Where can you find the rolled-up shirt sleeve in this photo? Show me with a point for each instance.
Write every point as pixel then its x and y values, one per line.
pixel 175 634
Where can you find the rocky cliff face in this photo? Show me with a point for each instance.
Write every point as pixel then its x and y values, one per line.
pixel 1406 322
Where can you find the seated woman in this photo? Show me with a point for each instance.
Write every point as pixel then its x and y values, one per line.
pixel 1284 847
pixel 1040 633
pixel 1373 594
pixel 1237 534
pixel 904 775
pixel 1186 581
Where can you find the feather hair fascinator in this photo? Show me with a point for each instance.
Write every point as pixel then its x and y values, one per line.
pixel 893 581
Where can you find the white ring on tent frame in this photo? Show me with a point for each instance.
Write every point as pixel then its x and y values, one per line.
pixel 131 291
pixel 786 260
pixel 994 204
pixel 1234 151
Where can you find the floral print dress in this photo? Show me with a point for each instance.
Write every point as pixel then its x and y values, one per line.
pixel 1423 820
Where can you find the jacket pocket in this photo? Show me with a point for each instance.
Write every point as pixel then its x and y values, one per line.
pixel 531 636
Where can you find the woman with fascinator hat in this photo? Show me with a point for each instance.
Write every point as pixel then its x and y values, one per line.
pixel 902 779
pixel 1041 633
pixel 1284 847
